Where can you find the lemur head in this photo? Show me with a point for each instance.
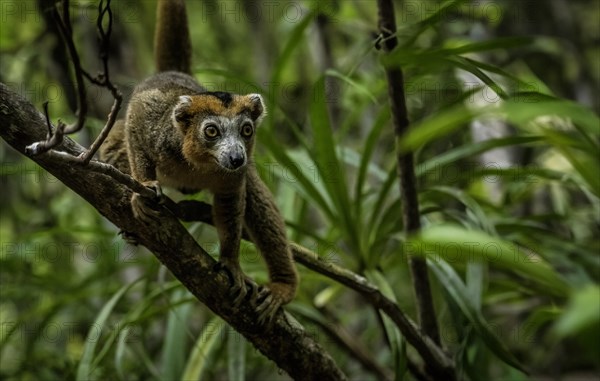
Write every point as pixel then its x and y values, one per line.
pixel 218 127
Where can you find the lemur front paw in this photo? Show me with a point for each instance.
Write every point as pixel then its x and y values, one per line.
pixel 240 284
pixel 270 298
pixel 145 208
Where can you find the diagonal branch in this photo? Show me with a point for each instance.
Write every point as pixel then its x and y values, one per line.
pixel 288 345
pixel 111 194
pixel 438 363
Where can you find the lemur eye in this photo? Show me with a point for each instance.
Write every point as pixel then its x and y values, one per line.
pixel 247 130
pixel 211 131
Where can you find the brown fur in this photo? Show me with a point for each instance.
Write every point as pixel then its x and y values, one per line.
pixel 161 143
pixel 113 150
pixel 172 37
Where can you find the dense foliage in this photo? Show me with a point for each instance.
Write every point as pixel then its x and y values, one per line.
pixel 503 101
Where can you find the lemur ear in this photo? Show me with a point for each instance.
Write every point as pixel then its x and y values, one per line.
pixel 181 116
pixel 257 107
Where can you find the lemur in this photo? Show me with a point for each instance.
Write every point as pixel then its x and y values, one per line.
pixel 178 134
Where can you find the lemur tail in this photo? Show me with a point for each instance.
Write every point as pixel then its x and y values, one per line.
pixel 172 43
pixel 172 51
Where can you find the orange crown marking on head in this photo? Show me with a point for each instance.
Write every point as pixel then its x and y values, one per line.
pixel 225 104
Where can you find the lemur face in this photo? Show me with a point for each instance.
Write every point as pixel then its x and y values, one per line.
pixel 223 125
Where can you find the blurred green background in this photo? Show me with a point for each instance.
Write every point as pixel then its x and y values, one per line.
pixel 503 101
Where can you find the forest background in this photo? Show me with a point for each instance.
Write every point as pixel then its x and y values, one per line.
pixel 502 97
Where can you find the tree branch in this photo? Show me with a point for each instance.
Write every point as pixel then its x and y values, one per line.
pixel 406 171
pixel 288 345
pixel 438 363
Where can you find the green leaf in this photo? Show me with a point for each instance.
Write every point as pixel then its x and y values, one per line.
pixel 236 357
pixel 523 112
pixel 121 351
pixel 408 57
pixel 468 66
pixel 540 317
pixel 174 348
pixel 202 357
pixel 493 44
pixel 475 282
pixel 393 334
pixel 586 165
pixel 458 245
pixel 436 127
pixel 382 195
pixel 581 322
pixel 496 70
pixel 432 20
pixel 519 113
pixel 85 369
pixel 303 183
pixel 293 41
pixel 369 147
pixel 581 313
pixel 462 297
pixel 360 88
pixel 326 296
pixel 471 149
pixel 468 201
pixel 329 166
pixel 516 174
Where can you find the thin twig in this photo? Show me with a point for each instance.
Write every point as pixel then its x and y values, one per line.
pixel 48 123
pixel 106 169
pixel 64 26
pixel 66 29
pixel 102 79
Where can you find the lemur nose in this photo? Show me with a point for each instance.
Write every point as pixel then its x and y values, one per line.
pixel 236 160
